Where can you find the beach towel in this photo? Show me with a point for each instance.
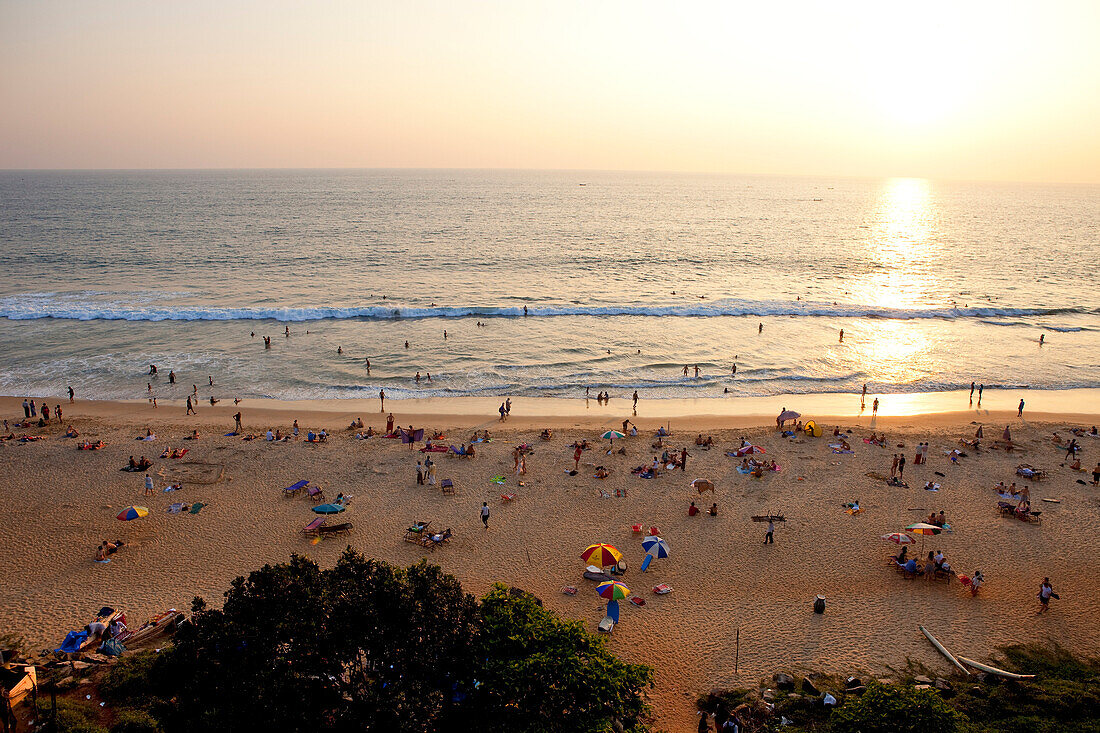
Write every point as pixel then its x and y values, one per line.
pixel 175 508
pixel 231 435
pixel 73 641
pixel 496 480
pixel 197 507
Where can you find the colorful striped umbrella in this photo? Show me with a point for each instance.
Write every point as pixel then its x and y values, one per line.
pixel 133 512
pixel 924 528
pixel 613 590
pixel 602 555
pixel 655 546
pixel 612 434
pixel 899 538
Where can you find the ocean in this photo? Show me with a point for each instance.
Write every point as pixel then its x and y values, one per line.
pixel 626 278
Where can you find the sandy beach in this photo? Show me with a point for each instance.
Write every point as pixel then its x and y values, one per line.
pixel 57 503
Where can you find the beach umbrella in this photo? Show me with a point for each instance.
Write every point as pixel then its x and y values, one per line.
pixel 602 555
pixel 328 508
pixel 133 512
pixel 613 590
pixel 612 434
pixel 1007 436
pixel 899 538
pixel 923 529
pixel 655 546
pixel 789 415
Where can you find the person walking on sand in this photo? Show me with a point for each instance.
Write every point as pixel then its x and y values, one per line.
pixel 34 410
pixel 769 536
pixel 901 466
pixel 1042 337
pixel 237 423
pixel 1096 475
pixel 1020 410
pixel 894 466
pixel 635 403
pixel 972 393
pixel 501 411
pixel 368 367
pixel 760 328
pixel 485 514
pixel 149 491
pixel 684 459
pixel 842 335
pixel 981 387
pixel 389 424
pixel 508 407
pixel 382 399
pixel 863 398
pixel 874 407
pixel 190 406
pixel 577 458
pixel 71 395
pixel 1046 592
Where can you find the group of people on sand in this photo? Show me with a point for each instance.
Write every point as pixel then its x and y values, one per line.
pixel 31 411
pixel 106 549
pixel 139 465
pixel 693 510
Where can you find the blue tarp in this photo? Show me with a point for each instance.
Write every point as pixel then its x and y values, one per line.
pixel 73 641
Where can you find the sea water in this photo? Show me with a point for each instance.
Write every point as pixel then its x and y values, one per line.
pixel 579 281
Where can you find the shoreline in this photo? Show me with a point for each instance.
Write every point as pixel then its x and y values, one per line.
pixel 894 409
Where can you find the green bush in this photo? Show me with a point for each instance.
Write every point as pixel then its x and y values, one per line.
pixel 130 682
pixel 890 709
pixel 73 716
pixel 135 721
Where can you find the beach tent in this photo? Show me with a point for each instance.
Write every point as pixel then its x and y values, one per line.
pixel 813 429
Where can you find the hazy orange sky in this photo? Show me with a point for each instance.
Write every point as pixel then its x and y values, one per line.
pixel 965 90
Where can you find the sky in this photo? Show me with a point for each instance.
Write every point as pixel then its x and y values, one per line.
pixel 970 90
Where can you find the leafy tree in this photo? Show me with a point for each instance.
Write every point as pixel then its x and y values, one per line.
pixel 542 673
pixel 369 646
pixel 890 709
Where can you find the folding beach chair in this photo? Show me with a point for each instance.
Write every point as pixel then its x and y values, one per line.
pixel 448 486
pixel 295 489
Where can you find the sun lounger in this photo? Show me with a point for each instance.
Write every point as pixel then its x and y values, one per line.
pixel 295 489
pixel 316 494
pixel 662 589
pixel 314 527
pixel 600 577
pixel 569 590
pixel 606 626
pixel 637 601
pixel 460 452
pixel 507 497
pixel 646 562
pixel 416 532
pixel 1030 472
pixel 448 486
pixel 335 529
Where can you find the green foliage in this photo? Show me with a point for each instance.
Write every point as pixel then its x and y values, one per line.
pixel 73 716
pixel 135 721
pixel 891 709
pixel 542 673
pixel 131 681
pixel 1065 696
pixel 369 646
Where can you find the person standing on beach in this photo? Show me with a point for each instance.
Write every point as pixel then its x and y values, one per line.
pixel 842 335
pixel 635 406
pixel 894 466
pixel 577 458
pixel 237 423
pixel 430 465
pixel 71 394
pixel 419 474
pixel 980 388
pixel 382 399
pixel 1096 475
pixel 1020 410
pixel 874 407
pixel 57 412
pixel 972 393
pixel 34 410
pixel 696 371
pixel 760 328
pixel 485 514
pixel 26 408
pixel 769 536
pixel 684 459
pixel 211 380
pixel 368 367
pixel 190 406
pixel 863 397
pixel 901 466
pixel 501 411
pixel 508 407
pixel 1042 337
pixel 1046 592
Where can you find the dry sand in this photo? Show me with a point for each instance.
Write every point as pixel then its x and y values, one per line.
pixel 58 503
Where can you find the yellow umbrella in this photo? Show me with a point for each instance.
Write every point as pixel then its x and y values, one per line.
pixel 602 555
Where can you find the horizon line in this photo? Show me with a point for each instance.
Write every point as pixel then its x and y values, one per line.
pixel 724 174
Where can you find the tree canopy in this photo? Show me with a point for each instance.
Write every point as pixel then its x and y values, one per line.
pixel 370 646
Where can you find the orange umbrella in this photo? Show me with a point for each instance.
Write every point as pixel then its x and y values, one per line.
pixel 602 555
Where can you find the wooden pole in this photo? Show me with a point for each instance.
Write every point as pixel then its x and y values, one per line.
pixel 737 654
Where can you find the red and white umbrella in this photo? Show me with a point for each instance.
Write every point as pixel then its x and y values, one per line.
pixel 899 538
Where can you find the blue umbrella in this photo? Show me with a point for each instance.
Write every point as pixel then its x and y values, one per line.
pixel 328 509
pixel 655 546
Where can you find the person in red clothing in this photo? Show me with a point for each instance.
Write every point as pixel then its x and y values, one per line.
pixel 577 458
